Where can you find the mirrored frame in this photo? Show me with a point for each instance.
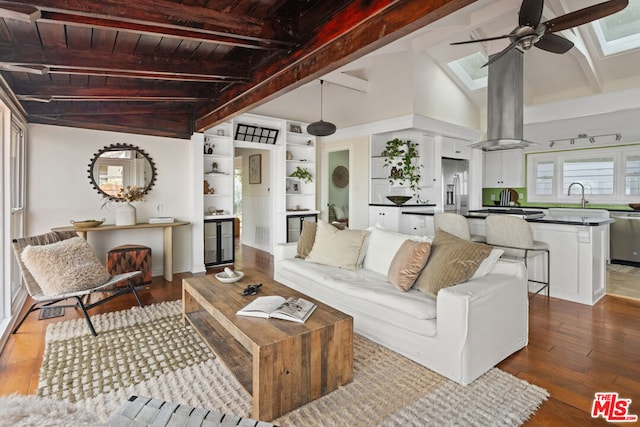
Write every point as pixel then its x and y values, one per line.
pixel 120 165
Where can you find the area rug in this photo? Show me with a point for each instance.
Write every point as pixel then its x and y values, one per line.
pixel 149 352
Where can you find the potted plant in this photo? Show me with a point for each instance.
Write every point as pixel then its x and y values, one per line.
pixel 302 174
pixel 404 170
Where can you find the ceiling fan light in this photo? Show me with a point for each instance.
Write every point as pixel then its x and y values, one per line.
pixel 321 128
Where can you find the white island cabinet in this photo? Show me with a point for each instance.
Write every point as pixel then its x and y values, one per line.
pixel 578 260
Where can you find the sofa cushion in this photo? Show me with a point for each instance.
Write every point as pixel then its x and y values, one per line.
pixel 64 267
pixel 338 248
pixel 382 246
pixel 364 292
pixel 307 237
pixel 407 264
pixel 452 261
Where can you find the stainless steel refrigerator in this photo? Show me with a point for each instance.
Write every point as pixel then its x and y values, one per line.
pixel 455 185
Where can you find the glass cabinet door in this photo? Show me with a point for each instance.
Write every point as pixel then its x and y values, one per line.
pixel 294 225
pixel 219 241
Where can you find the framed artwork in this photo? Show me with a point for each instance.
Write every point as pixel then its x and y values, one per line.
pixel 295 128
pixel 255 169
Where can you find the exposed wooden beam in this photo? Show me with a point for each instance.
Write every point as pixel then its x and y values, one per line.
pixel 184 77
pixel 169 14
pixel 56 109
pixel 91 60
pixel 169 125
pixel 177 33
pixel 353 32
pixel 21 12
pixel 119 90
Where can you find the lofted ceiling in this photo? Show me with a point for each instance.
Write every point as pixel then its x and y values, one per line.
pixel 172 67
pixel 581 91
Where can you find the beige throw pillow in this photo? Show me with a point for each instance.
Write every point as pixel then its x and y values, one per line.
pixel 66 266
pixel 452 261
pixel 307 237
pixel 407 264
pixel 338 248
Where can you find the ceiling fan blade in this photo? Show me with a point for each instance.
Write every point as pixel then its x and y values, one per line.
pixel 481 40
pixel 554 43
pixel 530 13
pixel 585 15
pixel 499 55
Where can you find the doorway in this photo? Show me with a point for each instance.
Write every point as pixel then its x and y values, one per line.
pixel 338 187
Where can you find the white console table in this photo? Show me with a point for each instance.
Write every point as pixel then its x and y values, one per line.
pixel 167 239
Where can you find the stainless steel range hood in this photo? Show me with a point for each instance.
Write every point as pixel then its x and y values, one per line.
pixel 505 104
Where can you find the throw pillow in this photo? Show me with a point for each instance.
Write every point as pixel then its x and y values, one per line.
pixel 382 246
pixel 66 266
pixel 338 248
pixel 452 261
pixel 487 264
pixel 307 237
pixel 339 213
pixel 408 263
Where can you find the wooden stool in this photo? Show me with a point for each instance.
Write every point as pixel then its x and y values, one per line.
pixel 126 258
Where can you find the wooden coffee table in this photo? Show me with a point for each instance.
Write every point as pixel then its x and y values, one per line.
pixel 282 364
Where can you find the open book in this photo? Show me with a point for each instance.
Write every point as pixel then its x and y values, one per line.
pixel 293 309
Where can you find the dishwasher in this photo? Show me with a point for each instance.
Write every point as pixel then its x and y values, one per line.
pixel 625 238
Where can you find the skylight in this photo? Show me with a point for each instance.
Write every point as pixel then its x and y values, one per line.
pixel 469 69
pixel 621 31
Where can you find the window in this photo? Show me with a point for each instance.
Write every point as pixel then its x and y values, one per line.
pixel 596 174
pixel 609 175
pixel 470 70
pixel 621 31
pixel 544 171
pixel 632 175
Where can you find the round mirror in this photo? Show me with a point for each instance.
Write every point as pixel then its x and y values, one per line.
pixel 120 166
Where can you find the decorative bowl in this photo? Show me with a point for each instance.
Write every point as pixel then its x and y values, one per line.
pixel 635 206
pixel 224 277
pixel 87 223
pixel 399 200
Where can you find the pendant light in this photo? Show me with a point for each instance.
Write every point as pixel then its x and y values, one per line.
pixel 321 128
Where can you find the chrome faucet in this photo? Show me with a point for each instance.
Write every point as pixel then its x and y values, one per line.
pixel 582 200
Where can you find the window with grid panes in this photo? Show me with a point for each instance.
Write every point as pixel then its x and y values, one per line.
pixel 632 175
pixel 596 174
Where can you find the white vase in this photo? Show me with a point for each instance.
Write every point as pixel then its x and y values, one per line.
pixel 125 214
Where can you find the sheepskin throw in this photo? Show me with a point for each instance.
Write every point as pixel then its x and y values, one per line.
pixel 64 267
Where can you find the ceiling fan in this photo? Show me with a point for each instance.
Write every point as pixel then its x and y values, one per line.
pixel 531 32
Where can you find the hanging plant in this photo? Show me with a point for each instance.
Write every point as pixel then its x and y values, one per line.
pixel 302 174
pixel 401 159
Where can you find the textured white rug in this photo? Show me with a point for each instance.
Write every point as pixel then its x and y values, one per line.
pixel 148 352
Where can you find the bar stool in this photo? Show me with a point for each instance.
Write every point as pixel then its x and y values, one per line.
pixel 455 224
pixel 513 234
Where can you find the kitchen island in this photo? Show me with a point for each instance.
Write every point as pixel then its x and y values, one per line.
pixel 578 242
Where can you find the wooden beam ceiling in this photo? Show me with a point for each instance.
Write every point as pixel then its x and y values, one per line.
pixel 170 67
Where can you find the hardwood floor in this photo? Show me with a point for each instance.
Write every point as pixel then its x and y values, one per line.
pixel 574 350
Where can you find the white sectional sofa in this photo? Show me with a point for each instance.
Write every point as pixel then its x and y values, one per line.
pixel 466 330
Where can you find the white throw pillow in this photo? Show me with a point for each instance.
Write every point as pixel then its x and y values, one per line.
pixel 66 266
pixel 382 246
pixel 487 264
pixel 338 248
pixel 340 215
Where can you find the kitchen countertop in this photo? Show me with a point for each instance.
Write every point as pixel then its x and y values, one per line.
pixel 564 220
pixel 392 205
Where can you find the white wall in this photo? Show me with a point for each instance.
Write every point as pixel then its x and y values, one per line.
pixel 59 189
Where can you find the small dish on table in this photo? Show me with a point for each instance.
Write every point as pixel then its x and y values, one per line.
pixel 87 223
pixel 224 277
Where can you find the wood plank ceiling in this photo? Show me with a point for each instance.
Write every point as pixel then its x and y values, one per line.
pixel 172 67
